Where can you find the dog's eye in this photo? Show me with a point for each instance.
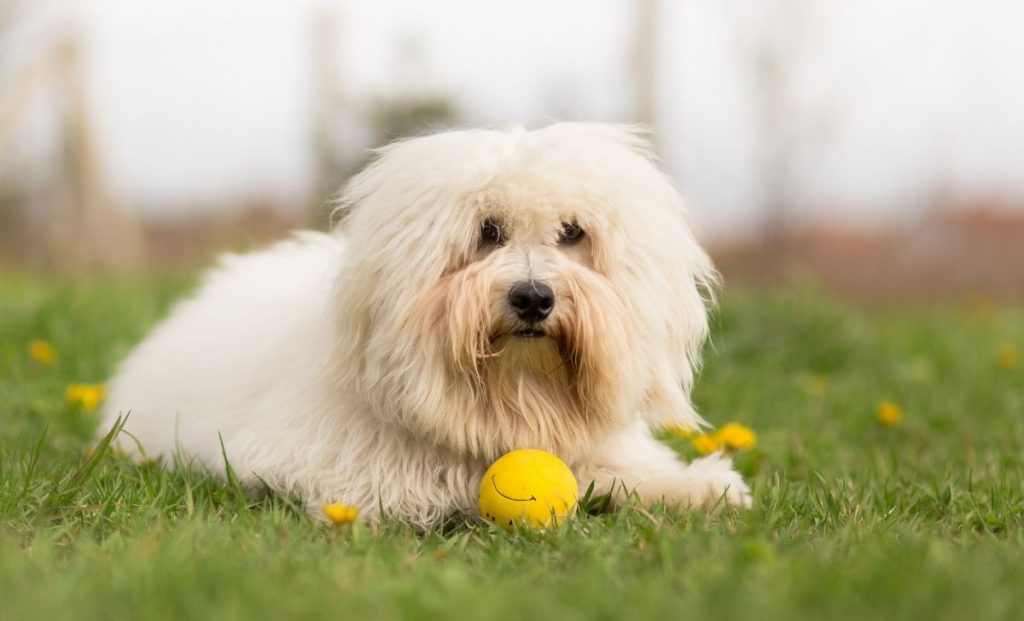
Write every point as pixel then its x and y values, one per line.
pixel 571 234
pixel 490 232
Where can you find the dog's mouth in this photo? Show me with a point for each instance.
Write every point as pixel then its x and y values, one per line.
pixel 524 335
pixel 530 333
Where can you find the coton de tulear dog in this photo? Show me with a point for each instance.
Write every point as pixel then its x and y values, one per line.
pixel 485 291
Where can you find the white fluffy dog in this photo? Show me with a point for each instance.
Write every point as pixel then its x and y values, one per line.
pixel 485 291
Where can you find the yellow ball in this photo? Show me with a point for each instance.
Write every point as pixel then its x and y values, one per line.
pixel 529 487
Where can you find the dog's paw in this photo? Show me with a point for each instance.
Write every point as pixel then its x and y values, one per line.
pixel 711 482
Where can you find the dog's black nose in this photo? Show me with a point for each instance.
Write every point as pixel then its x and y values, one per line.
pixel 532 301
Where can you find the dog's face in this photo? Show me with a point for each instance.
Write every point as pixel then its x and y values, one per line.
pixel 520 289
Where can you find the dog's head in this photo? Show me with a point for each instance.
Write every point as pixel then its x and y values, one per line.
pixel 520 289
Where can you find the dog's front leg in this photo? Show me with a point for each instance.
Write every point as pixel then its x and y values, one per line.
pixel 632 461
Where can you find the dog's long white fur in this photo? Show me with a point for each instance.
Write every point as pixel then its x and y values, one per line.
pixel 378 365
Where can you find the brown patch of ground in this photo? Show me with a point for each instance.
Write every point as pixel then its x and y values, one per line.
pixel 950 254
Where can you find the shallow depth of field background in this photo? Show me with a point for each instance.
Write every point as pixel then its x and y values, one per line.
pixel 878 143
pixel 856 170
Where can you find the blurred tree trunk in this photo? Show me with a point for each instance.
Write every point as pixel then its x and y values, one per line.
pixel 777 143
pixel 773 50
pixel 88 230
pixel 328 107
pixel 645 62
pixel 80 228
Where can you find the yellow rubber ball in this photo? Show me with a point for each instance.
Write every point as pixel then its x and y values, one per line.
pixel 530 487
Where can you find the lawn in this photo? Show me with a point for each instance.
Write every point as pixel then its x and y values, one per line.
pixel 851 519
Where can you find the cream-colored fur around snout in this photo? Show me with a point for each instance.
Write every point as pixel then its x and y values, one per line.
pixel 378 365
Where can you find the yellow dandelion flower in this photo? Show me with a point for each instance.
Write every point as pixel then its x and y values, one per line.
pixel 42 352
pixel 707 443
pixel 86 396
pixel 1008 356
pixel 341 514
pixel 888 413
pixel 736 436
pixel 678 431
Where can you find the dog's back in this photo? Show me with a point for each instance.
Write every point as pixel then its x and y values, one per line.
pixel 227 361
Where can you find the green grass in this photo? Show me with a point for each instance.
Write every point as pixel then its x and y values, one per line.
pixel 850 519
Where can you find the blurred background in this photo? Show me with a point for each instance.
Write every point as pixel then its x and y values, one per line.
pixel 875 147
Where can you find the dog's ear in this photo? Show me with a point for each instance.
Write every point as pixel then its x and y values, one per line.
pixel 658 261
pixel 691 295
pixel 681 324
pixel 406 218
pixel 680 279
pixel 362 184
